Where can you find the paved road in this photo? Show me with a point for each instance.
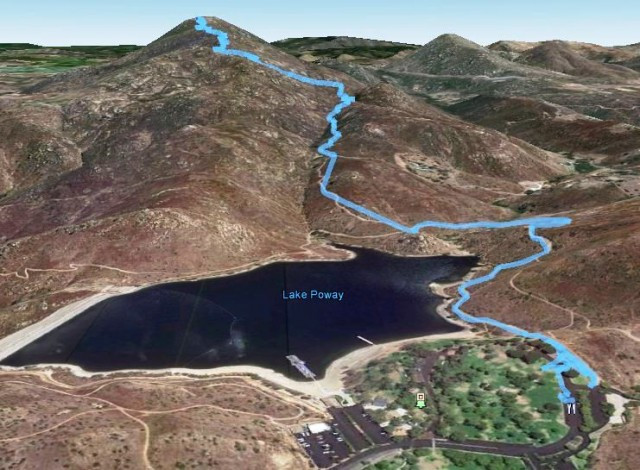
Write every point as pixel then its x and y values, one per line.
pixel 356 462
pixel 564 357
pixel 533 456
pixel 372 429
pixel 523 451
pixel 350 433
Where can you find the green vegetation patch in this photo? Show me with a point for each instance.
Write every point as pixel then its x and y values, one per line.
pixel 39 62
pixel 447 460
pixel 582 459
pixel 103 51
pixel 294 44
pixel 17 59
pixel 583 166
pixel 317 48
pixel 39 155
pixel 483 392
pixel 488 390
pixel 378 52
pixel 589 422
pixel 17 46
pixel 395 379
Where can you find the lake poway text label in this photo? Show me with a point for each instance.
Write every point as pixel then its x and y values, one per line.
pixel 312 295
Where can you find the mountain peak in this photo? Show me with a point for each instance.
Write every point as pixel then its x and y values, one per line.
pixel 183 51
pixel 454 40
pixel 450 54
pixel 512 46
pixel 560 56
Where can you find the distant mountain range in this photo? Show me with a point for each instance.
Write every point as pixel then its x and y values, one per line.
pixel 172 162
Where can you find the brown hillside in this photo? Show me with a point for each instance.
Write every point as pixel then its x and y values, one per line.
pixel 584 293
pixel 550 126
pixel 410 161
pixel 191 162
pixel 450 54
pixel 559 57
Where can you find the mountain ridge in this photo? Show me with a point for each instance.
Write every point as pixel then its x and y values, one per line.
pixel 450 54
pixel 174 162
pixel 559 57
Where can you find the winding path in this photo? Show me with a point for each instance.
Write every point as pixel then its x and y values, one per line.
pixel 565 359
pixel 137 414
pixel 626 332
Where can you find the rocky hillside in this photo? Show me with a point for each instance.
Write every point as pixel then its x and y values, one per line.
pixel 560 57
pixel 412 161
pixel 173 161
pixel 450 54
pixel 581 291
pixel 553 127
pixel 169 162
pixel 343 49
pixel 633 63
pixel 587 50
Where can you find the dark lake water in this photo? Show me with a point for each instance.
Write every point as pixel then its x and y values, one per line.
pixel 243 319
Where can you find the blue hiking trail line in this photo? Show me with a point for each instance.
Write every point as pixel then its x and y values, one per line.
pixel 565 359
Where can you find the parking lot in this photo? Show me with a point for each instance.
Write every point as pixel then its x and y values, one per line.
pixel 326 448
pixel 373 430
pixel 344 438
pixel 355 439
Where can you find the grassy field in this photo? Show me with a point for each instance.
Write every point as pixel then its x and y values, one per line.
pixel 582 459
pixel 447 460
pixel 394 380
pixel 485 394
pixel 28 58
pixel 483 390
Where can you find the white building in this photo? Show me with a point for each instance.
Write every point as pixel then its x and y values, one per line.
pixel 317 428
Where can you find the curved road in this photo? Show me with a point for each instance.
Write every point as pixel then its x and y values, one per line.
pixel 555 453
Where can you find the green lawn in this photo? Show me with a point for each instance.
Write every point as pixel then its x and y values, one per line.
pixel 481 392
pixel 17 58
pixel 447 460
pixel 484 395
pixel 582 458
pixel 393 379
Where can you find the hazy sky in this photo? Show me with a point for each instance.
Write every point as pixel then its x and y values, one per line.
pixel 65 22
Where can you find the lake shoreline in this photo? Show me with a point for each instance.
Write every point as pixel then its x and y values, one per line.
pixel 16 341
pixel 331 382
pixel 21 338
pixel 330 385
